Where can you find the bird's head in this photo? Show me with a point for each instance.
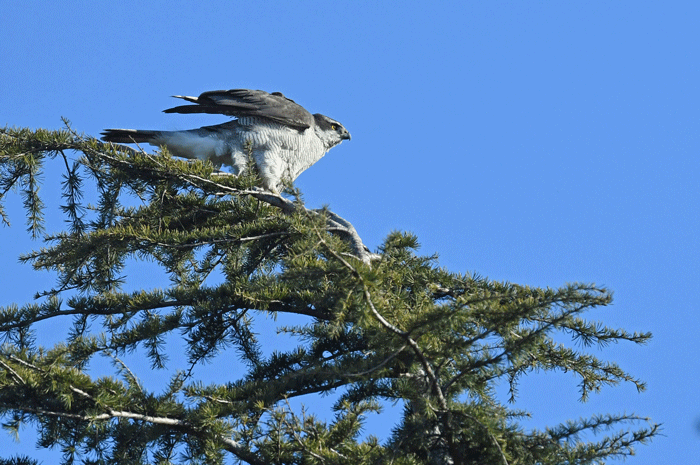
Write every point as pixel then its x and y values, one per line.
pixel 330 131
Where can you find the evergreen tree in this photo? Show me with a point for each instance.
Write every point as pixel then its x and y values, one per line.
pixel 390 326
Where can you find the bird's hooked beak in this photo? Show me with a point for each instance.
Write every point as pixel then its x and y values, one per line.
pixel 345 135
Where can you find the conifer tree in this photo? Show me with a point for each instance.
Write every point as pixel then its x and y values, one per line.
pixel 374 328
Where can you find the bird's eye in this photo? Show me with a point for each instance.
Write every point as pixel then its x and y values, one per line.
pixel 334 127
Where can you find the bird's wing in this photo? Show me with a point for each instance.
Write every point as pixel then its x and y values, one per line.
pixel 245 102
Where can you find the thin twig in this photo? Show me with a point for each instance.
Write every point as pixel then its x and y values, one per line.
pixel 13 372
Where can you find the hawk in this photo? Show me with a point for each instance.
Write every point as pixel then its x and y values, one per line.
pixel 281 136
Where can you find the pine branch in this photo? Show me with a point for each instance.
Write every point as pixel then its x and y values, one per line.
pixel 391 326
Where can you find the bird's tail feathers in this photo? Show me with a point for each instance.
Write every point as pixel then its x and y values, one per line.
pixel 129 136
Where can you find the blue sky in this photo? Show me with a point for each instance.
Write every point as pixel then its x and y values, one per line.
pixel 534 142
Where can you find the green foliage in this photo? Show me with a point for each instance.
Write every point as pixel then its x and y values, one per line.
pixel 391 326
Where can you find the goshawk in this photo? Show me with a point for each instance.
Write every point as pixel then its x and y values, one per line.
pixel 282 137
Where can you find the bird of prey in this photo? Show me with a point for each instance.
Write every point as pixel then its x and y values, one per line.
pixel 282 137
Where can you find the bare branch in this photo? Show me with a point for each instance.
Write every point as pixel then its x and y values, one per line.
pixel 13 372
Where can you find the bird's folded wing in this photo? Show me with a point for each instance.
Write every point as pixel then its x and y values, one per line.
pixel 244 102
